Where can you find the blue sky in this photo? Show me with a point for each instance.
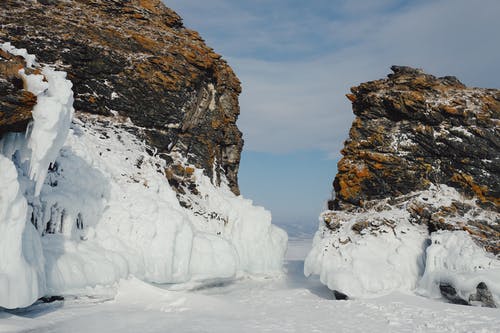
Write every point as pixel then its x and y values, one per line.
pixel 297 60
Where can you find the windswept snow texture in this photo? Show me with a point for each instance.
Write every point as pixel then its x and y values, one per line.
pixel 377 251
pixel 100 209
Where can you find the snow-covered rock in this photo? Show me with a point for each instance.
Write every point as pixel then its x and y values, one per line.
pixel 91 204
pixel 369 264
pixel 374 251
pixel 416 204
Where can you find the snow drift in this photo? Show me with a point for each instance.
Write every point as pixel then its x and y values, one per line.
pixel 87 204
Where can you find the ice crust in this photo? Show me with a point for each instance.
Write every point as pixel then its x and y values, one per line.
pixel 369 265
pixel 24 160
pixel 105 211
pixel 454 258
pixel 401 256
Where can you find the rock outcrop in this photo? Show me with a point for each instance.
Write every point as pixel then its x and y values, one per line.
pixel 412 130
pixel 417 193
pixel 134 60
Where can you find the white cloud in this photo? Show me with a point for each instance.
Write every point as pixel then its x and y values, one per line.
pixel 295 69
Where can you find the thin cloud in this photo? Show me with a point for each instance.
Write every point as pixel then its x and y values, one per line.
pixel 297 59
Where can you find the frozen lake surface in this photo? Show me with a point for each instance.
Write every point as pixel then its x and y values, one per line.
pixel 287 303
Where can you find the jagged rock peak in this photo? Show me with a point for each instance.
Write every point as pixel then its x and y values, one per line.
pixel 134 59
pixel 412 130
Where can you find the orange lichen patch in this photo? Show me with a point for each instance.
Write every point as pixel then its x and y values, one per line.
pixel 423 129
pixel 377 137
pixel 138 16
pixel 178 171
pixel 412 98
pixel 475 232
pixel 491 105
pixel 92 99
pixel 216 123
pixel 146 42
pixel 10 69
pixel 449 109
pixel 151 5
pixel 467 181
pixel 351 97
pixel 377 157
pixel 350 178
pixel 378 166
pixel 483 115
pixel 197 56
pixel 160 76
pixel 421 81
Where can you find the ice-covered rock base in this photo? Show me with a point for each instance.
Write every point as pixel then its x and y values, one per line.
pixel 392 247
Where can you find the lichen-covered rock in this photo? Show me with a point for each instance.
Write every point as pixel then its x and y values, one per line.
pixel 417 193
pixel 135 59
pixel 412 130
pixel 16 103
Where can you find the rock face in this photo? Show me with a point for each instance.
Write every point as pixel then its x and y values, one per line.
pixel 16 103
pixel 142 180
pixel 412 130
pixel 417 193
pixel 133 59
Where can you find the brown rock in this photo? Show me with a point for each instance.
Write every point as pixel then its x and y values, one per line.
pixel 413 129
pixel 135 58
pixel 16 103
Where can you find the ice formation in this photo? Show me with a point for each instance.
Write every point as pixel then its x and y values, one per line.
pixel 454 258
pixel 376 251
pixel 88 205
pixel 21 265
pixel 367 265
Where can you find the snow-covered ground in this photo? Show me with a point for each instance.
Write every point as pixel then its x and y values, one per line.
pixel 288 303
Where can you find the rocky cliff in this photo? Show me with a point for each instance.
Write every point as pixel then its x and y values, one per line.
pixel 134 59
pixel 119 153
pixel 412 130
pixel 421 166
